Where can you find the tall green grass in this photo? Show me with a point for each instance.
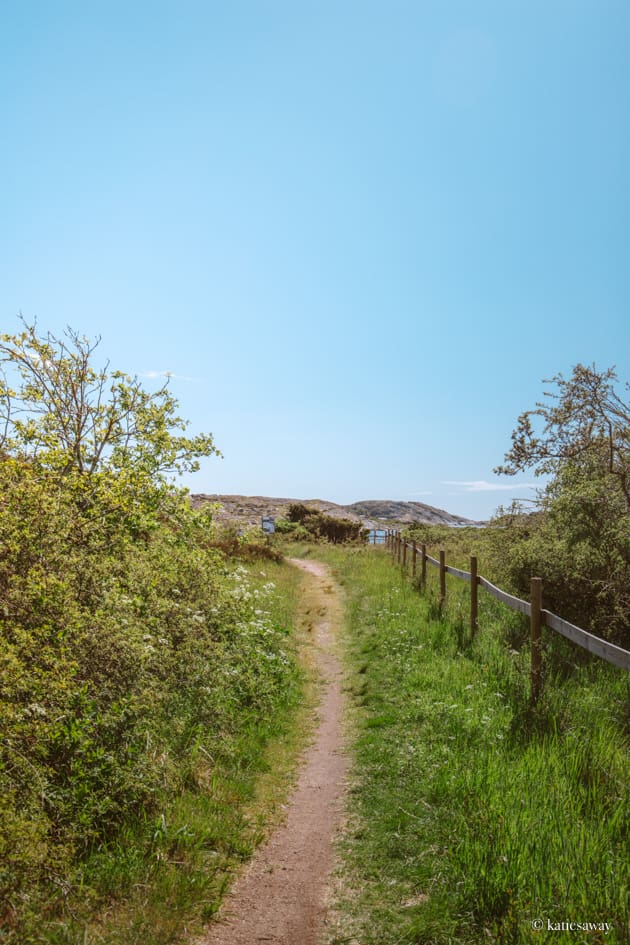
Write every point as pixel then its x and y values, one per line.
pixel 473 813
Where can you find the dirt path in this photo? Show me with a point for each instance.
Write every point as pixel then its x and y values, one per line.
pixel 281 897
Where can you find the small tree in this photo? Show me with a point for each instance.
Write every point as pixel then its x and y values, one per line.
pixel 580 541
pixel 58 408
pixel 585 422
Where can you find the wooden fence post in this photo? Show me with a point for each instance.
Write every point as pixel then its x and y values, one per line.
pixel 414 554
pixel 399 544
pixel 442 576
pixel 473 595
pixel 536 640
pixel 423 565
pixel 404 554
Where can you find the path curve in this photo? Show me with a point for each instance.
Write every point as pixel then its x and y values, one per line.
pixel 280 899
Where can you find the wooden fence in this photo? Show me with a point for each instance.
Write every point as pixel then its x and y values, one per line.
pixel 403 550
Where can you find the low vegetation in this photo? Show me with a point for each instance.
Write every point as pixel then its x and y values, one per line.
pixel 307 524
pixel 475 816
pixel 149 687
pixel 577 535
pixel 579 540
pixel 142 670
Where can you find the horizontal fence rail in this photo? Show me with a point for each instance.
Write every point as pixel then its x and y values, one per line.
pixel 533 609
pixel 508 599
pixel 456 572
pixel 588 641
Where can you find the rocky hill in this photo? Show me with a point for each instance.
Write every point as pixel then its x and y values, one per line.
pixel 406 513
pixel 248 510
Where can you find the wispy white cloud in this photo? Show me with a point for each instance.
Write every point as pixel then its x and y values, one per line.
pixel 169 375
pixel 480 485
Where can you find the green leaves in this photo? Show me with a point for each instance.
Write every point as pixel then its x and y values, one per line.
pixel 72 416
pixel 579 540
pixel 129 649
pixel 584 420
pixel 92 538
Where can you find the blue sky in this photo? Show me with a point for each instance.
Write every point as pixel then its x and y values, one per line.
pixel 358 234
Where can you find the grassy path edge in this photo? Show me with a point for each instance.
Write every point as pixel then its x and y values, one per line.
pixel 166 894
pixel 471 818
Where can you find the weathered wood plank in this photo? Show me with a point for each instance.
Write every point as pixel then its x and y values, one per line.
pixel 588 641
pixel 508 599
pixel 456 572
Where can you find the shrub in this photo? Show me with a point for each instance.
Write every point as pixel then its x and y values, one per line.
pixel 319 525
pixel 126 638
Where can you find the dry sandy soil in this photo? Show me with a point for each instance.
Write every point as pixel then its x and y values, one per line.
pixel 281 898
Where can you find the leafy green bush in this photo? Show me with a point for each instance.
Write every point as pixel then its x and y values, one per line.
pixel 578 537
pixel 293 530
pixel 316 524
pixel 128 642
pixel 579 542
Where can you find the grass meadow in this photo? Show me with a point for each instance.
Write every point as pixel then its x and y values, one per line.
pixel 475 816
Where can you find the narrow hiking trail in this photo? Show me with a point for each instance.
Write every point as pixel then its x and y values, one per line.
pixel 281 897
